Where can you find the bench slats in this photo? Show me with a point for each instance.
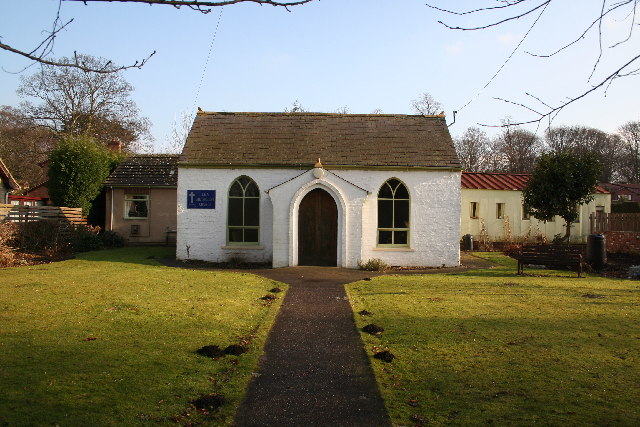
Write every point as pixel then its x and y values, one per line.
pixel 549 255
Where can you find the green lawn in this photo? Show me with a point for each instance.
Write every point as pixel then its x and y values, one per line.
pixel 109 338
pixel 490 347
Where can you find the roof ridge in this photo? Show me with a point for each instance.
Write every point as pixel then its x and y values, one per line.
pixel 313 113
pixel 496 173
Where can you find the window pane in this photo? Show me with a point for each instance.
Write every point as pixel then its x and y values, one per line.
pixel 385 191
pixel 393 183
pixel 252 212
pixel 384 237
pixel 236 190
pixel 401 192
pixel 400 237
pixel 235 211
pixel 137 209
pixel 244 180
pixel 252 190
pixel 385 213
pixel 401 219
pixel 251 235
pixel 235 235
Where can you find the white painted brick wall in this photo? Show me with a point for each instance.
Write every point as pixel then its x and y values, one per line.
pixel 435 216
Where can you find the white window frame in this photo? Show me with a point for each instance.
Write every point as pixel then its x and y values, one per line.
pixel 129 198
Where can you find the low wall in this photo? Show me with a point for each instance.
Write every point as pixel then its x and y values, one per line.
pixel 623 241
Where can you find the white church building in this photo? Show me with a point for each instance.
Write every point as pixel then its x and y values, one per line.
pixel 319 189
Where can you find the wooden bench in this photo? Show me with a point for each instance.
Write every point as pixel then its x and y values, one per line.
pixel 550 255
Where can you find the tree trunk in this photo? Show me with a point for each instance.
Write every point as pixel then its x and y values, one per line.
pixel 567 233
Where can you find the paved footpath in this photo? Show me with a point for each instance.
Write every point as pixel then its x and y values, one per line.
pixel 315 371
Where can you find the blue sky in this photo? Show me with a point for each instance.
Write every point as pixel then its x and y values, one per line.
pixel 359 54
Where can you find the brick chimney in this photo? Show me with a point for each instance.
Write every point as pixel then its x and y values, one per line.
pixel 115 145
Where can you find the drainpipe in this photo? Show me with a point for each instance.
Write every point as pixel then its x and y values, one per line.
pixel 111 212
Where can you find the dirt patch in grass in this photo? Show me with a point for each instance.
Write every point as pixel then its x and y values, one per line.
pixel 385 356
pixel 373 329
pixel 212 351
pixel 209 402
pixel 235 350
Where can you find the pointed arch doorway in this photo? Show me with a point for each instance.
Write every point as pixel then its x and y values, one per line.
pixel 318 229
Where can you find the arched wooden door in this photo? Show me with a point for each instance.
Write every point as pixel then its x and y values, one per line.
pixel 318 229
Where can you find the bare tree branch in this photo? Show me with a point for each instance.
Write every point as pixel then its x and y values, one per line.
pixel 553 111
pixel 482 9
pixel 77 62
pixel 40 53
pixel 493 24
pixel 606 8
pixel 202 6
pixel 595 22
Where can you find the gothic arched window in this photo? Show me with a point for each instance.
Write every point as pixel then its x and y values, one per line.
pixel 243 215
pixel 393 214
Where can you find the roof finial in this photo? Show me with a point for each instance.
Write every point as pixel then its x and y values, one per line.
pixel 318 164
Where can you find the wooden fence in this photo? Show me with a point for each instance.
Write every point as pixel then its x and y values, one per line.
pixel 601 222
pixel 18 213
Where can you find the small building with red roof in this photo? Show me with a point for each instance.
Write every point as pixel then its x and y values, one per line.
pixel 492 207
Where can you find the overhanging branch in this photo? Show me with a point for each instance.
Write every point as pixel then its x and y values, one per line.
pixel 553 111
pixel 77 62
pixel 203 6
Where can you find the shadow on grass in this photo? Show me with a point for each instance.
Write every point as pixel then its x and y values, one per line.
pixel 163 256
pixel 144 255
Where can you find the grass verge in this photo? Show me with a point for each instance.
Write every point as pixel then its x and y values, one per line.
pixel 109 338
pixel 489 347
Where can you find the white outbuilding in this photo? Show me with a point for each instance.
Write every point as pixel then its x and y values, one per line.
pixel 319 189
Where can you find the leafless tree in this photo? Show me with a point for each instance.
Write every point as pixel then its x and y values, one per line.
pixel 507 11
pixel 180 128
pixel 343 110
pixel 296 107
pixel 74 101
pixel 580 139
pixel 426 105
pixel 40 53
pixel 630 141
pixel 473 149
pixel 515 150
pixel 24 144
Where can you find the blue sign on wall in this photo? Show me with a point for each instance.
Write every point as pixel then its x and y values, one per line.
pixel 201 199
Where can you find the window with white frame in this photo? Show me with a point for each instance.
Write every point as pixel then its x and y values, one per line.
pixel 136 206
